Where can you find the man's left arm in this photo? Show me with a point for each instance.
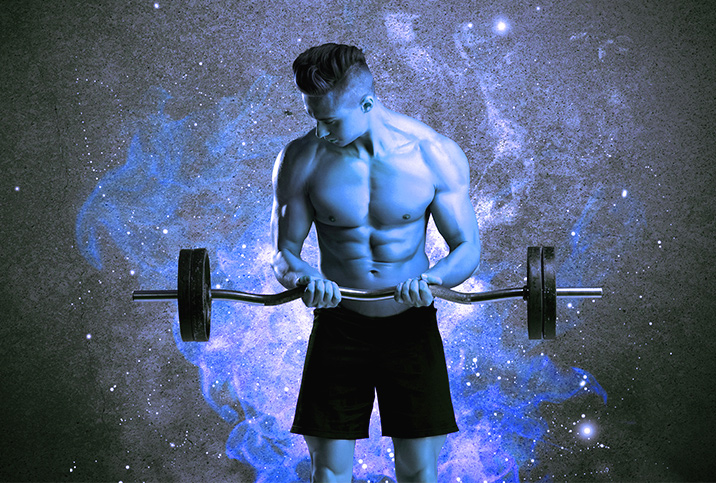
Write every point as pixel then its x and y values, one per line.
pixel 454 218
pixel 454 215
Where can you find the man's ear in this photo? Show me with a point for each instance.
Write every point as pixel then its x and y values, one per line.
pixel 367 103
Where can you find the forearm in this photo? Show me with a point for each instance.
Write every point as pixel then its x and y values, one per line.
pixel 288 268
pixel 458 265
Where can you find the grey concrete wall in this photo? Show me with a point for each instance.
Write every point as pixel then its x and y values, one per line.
pixel 589 126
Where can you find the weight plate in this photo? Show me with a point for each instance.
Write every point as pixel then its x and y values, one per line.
pixel 549 294
pixel 194 295
pixel 200 295
pixel 184 299
pixel 534 292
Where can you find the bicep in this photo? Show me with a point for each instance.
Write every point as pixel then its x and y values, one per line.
pixel 451 208
pixel 291 221
pixel 292 214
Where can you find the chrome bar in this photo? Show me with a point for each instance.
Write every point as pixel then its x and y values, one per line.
pixel 358 294
pixel 153 295
pixel 580 292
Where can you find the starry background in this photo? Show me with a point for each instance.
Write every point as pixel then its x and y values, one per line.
pixel 130 130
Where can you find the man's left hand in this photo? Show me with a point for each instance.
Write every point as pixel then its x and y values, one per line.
pixel 415 291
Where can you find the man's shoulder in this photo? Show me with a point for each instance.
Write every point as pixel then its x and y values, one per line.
pixel 432 143
pixel 445 158
pixel 295 162
pixel 441 153
pixel 299 153
pixel 300 150
pixel 411 128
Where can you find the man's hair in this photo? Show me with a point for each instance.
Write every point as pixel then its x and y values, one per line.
pixel 320 69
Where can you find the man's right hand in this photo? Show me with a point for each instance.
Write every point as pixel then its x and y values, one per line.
pixel 319 292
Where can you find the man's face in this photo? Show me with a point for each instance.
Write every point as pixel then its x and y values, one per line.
pixel 339 117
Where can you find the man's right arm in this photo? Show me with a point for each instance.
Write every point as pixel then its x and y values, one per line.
pixel 291 220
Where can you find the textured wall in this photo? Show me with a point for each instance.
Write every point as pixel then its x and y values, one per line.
pixel 132 129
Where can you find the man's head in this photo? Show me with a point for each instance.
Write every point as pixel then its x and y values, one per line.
pixel 337 89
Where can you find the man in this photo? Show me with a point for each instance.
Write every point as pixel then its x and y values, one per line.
pixel 368 178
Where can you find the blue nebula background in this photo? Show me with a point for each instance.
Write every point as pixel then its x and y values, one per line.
pixel 250 370
pixel 132 131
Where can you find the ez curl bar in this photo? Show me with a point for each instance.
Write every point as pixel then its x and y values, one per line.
pixel 194 294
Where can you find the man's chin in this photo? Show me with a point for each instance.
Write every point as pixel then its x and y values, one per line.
pixel 337 142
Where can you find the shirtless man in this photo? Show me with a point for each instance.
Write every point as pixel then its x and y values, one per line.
pixel 368 178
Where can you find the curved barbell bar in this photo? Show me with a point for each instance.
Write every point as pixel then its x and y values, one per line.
pixel 358 294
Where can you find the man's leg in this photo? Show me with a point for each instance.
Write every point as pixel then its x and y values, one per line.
pixel 416 460
pixel 331 459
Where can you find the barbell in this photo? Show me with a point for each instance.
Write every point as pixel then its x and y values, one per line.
pixel 194 294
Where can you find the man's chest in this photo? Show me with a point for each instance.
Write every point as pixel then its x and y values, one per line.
pixel 355 191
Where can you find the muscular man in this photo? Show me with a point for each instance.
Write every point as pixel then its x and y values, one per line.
pixel 368 178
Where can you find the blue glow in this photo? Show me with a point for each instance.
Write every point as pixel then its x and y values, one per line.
pixel 587 430
pixel 183 187
pixel 501 26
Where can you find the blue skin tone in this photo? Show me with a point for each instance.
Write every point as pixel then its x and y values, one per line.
pixel 368 178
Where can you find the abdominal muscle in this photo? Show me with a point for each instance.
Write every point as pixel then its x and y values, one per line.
pixel 349 258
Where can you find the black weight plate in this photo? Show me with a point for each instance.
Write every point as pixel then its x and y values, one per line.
pixel 184 298
pixel 534 292
pixel 549 294
pixel 200 294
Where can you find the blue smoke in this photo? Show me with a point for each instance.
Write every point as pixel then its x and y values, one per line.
pixel 204 180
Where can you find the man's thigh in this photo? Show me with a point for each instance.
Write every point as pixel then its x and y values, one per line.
pixel 413 385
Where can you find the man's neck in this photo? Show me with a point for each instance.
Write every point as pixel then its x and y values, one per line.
pixel 376 140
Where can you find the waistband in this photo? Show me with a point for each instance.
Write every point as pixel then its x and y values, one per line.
pixel 346 315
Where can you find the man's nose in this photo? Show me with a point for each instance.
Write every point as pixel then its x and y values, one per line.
pixel 321 130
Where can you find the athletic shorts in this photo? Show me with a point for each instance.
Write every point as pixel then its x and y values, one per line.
pixel 352 357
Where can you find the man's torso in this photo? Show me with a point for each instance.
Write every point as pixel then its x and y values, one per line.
pixel 370 213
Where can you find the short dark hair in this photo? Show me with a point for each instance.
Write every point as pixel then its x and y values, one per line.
pixel 320 69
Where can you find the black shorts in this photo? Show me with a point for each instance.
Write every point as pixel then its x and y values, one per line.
pixel 350 357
